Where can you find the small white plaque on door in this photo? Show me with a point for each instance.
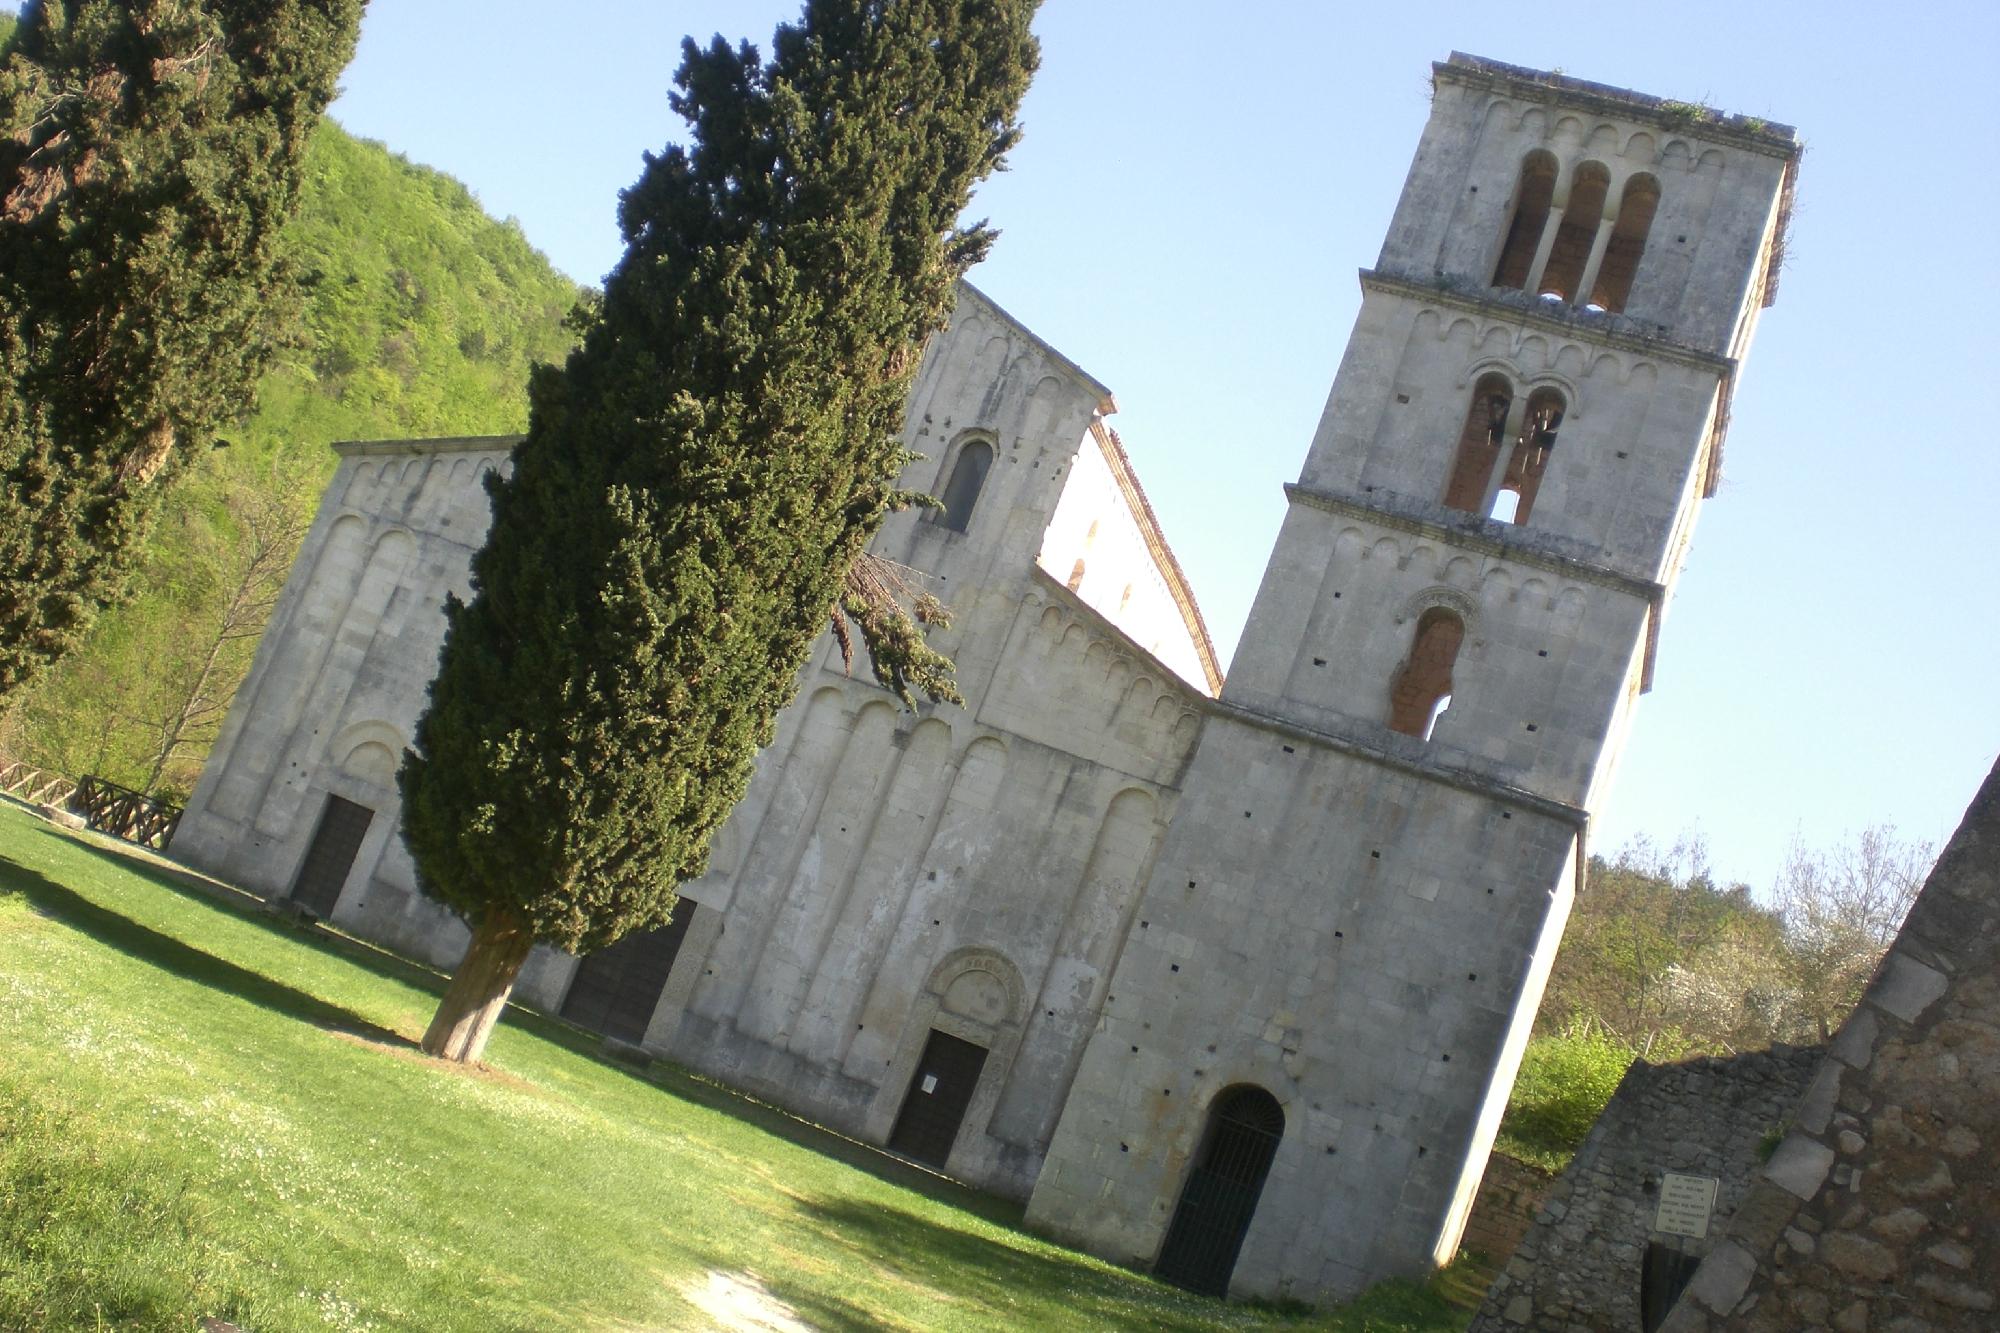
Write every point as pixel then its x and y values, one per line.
pixel 930 1082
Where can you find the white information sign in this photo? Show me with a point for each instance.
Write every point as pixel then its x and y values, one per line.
pixel 1685 1205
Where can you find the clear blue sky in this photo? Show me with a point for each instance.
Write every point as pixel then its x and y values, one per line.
pixel 1199 184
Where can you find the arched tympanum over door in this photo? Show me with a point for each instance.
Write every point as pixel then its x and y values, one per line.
pixel 1220 1196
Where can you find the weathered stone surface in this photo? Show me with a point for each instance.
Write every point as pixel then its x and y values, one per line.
pixel 1799 1166
pixel 1921 1081
pixel 1906 987
pixel 1951 1254
pixel 1583 1256
pixel 1958 1295
pixel 62 815
pixel 1723 1278
pixel 1858 1256
pixel 1900 1225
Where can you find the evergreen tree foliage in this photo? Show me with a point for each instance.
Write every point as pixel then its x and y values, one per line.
pixel 697 482
pixel 149 159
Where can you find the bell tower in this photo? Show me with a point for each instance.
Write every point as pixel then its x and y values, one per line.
pixel 1379 837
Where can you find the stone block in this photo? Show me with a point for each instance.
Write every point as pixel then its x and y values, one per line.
pixel 1906 987
pixel 1723 1278
pixel 1799 1166
pixel 1859 1257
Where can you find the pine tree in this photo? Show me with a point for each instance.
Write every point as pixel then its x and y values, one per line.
pixel 697 483
pixel 149 158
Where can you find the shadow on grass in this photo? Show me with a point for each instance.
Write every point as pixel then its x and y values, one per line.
pixel 370 958
pixel 257 911
pixel 994 1276
pixel 155 949
pixel 142 942
pixel 823 1142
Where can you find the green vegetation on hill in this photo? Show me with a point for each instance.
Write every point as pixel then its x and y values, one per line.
pixel 204 1113
pixel 1660 962
pixel 423 318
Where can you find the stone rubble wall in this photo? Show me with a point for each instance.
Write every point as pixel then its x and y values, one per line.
pixel 1880 1212
pixel 1579 1265
pixel 1511 1195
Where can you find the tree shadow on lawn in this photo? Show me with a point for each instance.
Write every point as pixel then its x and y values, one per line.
pixel 823 1142
pixel 1009 1281
pixel 252 909
pixel 662 1076
pixel 155 949
pixel 266 915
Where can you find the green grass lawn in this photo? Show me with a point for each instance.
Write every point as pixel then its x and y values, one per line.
pixel 204 1112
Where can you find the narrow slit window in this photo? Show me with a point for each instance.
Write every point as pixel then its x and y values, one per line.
pixel 1530 459
pixel 1628 242
pixel 1562 277
pixel 1423 685
pixel 1479 444
pixel 1531 218
pixel 1075 580
pixel 968 478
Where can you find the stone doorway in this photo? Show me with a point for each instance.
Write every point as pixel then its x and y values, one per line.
pixel 1221 1193
pixel 329 858
pixel 934 1107
pixel 616 989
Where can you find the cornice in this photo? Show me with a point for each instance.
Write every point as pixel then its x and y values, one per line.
pixel 1428 768
pixel 1579 327
pixel 1691 119
pixel 1388 510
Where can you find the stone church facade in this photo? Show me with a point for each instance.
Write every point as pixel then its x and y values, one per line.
pixel 1230 980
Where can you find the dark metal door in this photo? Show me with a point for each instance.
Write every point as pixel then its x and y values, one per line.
pixel 935 1105
pixel 342 826
pixel 1663 1275
pixel 1220 1196
pixel 615 990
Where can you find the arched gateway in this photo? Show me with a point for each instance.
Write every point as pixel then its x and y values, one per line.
pixel 1220 1196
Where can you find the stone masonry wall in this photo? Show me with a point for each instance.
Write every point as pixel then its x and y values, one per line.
pixel 1880 1212
pixel 1510 1198
pixel 1579 1267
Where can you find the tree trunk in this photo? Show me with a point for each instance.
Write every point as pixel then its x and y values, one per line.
pixel 480 987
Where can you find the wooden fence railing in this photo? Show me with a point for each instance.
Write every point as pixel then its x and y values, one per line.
pixel 122 812
pixel 36 786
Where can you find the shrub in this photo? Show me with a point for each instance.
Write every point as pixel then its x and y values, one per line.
pixel 1566 1079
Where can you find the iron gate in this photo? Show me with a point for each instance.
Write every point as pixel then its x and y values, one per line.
pixel 1220 1196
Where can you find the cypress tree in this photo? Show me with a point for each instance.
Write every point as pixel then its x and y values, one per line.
pixel 697 482
pixel 149 157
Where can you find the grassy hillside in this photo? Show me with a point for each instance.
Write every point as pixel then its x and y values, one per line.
pixel 422 318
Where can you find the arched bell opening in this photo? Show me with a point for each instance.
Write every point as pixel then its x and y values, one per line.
pixel 1562 276
pixel 1532 197
pixel 1479 442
